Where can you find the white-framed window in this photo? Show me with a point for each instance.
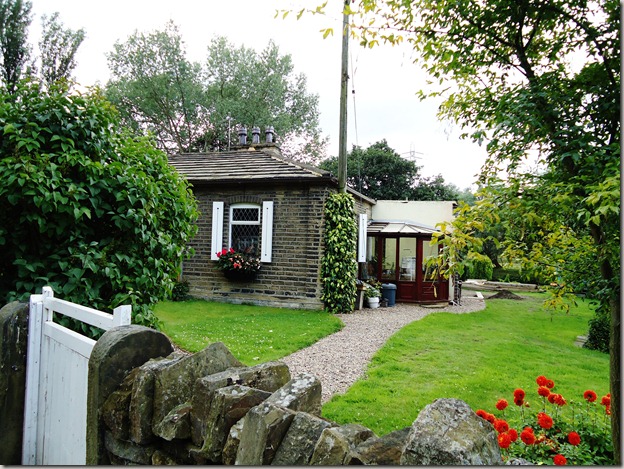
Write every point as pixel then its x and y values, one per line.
pixel 245 227
pixel 250 227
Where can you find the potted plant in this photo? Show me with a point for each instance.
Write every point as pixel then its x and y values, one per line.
pixel 240 266
pixel 372 295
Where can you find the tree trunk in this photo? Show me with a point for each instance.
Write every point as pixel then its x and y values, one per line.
pixel 615 376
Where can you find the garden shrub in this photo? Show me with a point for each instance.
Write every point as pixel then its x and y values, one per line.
pixel 180 291
pixel 478 267
pixel 94 212
pixel 598 334
pixel 339 265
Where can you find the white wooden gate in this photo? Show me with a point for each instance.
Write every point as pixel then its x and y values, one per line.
pixel 55 411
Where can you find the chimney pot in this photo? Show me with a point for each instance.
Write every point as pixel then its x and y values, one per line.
pixel 255 135
pixel 242 136
pixel 269 134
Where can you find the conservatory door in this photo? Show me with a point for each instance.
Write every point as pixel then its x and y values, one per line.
pixel 432 287
pixel 407 286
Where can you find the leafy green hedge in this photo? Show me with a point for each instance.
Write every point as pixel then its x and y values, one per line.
pixel 339 265
pixel 97 214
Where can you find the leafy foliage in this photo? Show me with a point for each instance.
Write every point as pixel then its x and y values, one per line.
pixel 536 80
pixel 192 107
pixel 546 426
pixel 93 212
pixel 58 46
pixel 338 266
pixel 381 173
pixel 598 334
pixel 14 21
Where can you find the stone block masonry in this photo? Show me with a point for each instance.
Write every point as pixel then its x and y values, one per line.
pixel 208 408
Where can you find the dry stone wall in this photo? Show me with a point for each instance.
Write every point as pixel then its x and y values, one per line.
pixel 208 408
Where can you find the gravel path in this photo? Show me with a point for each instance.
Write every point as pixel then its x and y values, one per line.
pixel 340 359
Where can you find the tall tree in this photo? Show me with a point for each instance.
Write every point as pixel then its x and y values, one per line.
pixel 58 47
pixel 157 90
pixel 532 78
pixel 381 173
pixel 193 108
pixel 262 89
pixel 434 188
pixel 14 22
pixel 378 172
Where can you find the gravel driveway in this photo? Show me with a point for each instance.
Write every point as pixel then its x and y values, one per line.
pixel 338 360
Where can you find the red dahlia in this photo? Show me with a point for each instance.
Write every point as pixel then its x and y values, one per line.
pixel 527 436
pixel 541 380
pixel 543 391
pixel 504 440
pixel 544 420
pixel 590 396
pixel 501 426
pixel 502 404
pixel 574 439
pixel 519 394
pixel 560 460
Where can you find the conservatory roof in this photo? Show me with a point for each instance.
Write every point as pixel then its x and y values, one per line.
pixel 398 227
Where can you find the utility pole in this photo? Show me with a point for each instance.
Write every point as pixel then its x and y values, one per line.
pixel 342 138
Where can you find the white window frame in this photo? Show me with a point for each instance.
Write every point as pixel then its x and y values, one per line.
pixel 246 222
pixel 362 237
pixel 265 221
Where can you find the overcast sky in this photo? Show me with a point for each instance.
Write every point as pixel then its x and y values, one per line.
pixel 384 79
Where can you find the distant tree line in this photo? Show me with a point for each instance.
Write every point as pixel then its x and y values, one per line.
pixel 380 173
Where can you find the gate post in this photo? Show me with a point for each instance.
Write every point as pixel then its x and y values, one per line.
pixel 31 401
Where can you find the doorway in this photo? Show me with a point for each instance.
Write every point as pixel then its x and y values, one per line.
pixel 401 260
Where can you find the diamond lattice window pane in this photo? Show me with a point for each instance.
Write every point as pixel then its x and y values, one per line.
pixel 246 214
pixel 246 237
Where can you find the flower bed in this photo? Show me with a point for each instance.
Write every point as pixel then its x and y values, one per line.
pixel 554 431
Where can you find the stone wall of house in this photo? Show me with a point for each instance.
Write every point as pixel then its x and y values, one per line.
pixel 292 278
pixel 208 408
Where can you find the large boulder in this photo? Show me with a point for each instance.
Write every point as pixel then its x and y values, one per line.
pixel 337 445
pixel 264 428
pixel 448 432
pixel 300 440
pixel 268 377
pixel 173 385
pixel 229 405
pixel 302 393
pixel 384 450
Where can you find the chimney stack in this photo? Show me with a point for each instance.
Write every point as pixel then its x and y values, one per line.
pixel 242 136
pixel 255 135
pixel 268 133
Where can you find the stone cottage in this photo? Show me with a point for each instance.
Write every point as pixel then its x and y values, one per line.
pixel 254 196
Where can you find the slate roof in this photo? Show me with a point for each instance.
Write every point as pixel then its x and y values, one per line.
pixel 245 166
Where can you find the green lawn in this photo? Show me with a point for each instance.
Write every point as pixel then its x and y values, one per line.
pixel 254 334
pixel 477 357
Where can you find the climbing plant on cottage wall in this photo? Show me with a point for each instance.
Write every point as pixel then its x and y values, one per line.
pixel 339 265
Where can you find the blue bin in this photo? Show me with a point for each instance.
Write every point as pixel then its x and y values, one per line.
pixel 388 291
